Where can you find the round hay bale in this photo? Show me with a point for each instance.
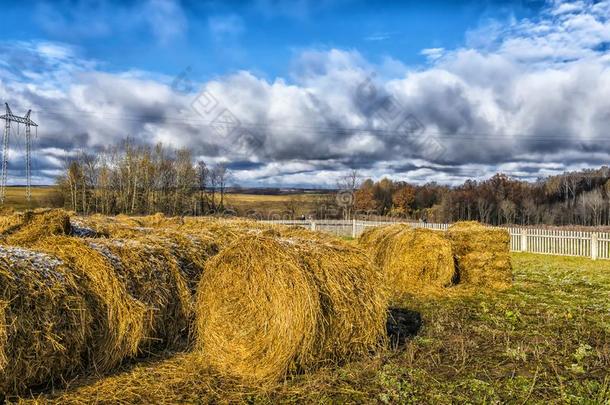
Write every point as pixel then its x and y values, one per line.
pixel 190 251
pixel 414 261
pixel 353 297
pixel 3 338
pixel 376 240
pixel 118 326
pixel 271 306
pixel 224 231
pixel 37 225
pixel 482 254
pixel 257 311
pixel 108 227
pixel 152 276
pixel 44 320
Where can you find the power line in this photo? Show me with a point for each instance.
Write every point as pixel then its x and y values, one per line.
pixel 338 130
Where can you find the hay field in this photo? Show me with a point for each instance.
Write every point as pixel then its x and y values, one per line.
pixel 202 310
pixel 545 339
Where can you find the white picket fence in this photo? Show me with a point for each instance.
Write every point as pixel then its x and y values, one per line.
pixel 595 245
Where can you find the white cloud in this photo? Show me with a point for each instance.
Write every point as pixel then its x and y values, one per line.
pixel 433 53
pixel 166 19
pixel 530 99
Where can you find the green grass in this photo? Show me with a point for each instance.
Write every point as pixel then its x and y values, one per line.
pixel 547 339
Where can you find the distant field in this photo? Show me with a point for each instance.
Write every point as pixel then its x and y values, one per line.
pixel 268 205
pixel 15 197
pixel 242 203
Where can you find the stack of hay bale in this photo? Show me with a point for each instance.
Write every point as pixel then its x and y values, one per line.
pixel 269 301
pixel 413 260
pixel 482 254
pixel 420 261
pixel 132 297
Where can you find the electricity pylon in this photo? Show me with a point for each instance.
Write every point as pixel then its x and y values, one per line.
pixel 8 118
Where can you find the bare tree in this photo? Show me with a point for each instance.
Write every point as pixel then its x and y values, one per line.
pixel 222 175
pixel 203 177
pixel 508 209
pixel 484 209
pixel 530 211
pixel 592 204
pixel 348 185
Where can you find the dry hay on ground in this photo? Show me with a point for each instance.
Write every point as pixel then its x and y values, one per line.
pixel 30 226
pixel 44 320
pixel 269 306
pixel 180 379
pixel 159 220
pixel 152 276
pixel 118 325
pixel 482 254
pixel 9 220
pixel 413 260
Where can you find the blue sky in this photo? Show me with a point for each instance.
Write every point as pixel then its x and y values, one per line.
pixel 216 38
pixel 305 91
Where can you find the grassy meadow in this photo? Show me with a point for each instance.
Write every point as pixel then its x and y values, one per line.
pixel 546 339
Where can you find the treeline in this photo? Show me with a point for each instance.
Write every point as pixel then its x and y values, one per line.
pixel 140 179
pixel 573 198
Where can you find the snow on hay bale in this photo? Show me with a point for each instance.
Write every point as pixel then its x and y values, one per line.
pixel 98 225
pixel 190 249
pixel 44 320
pixel 482 254
pixel 269 306
pixel 152 276
pixel 412 260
